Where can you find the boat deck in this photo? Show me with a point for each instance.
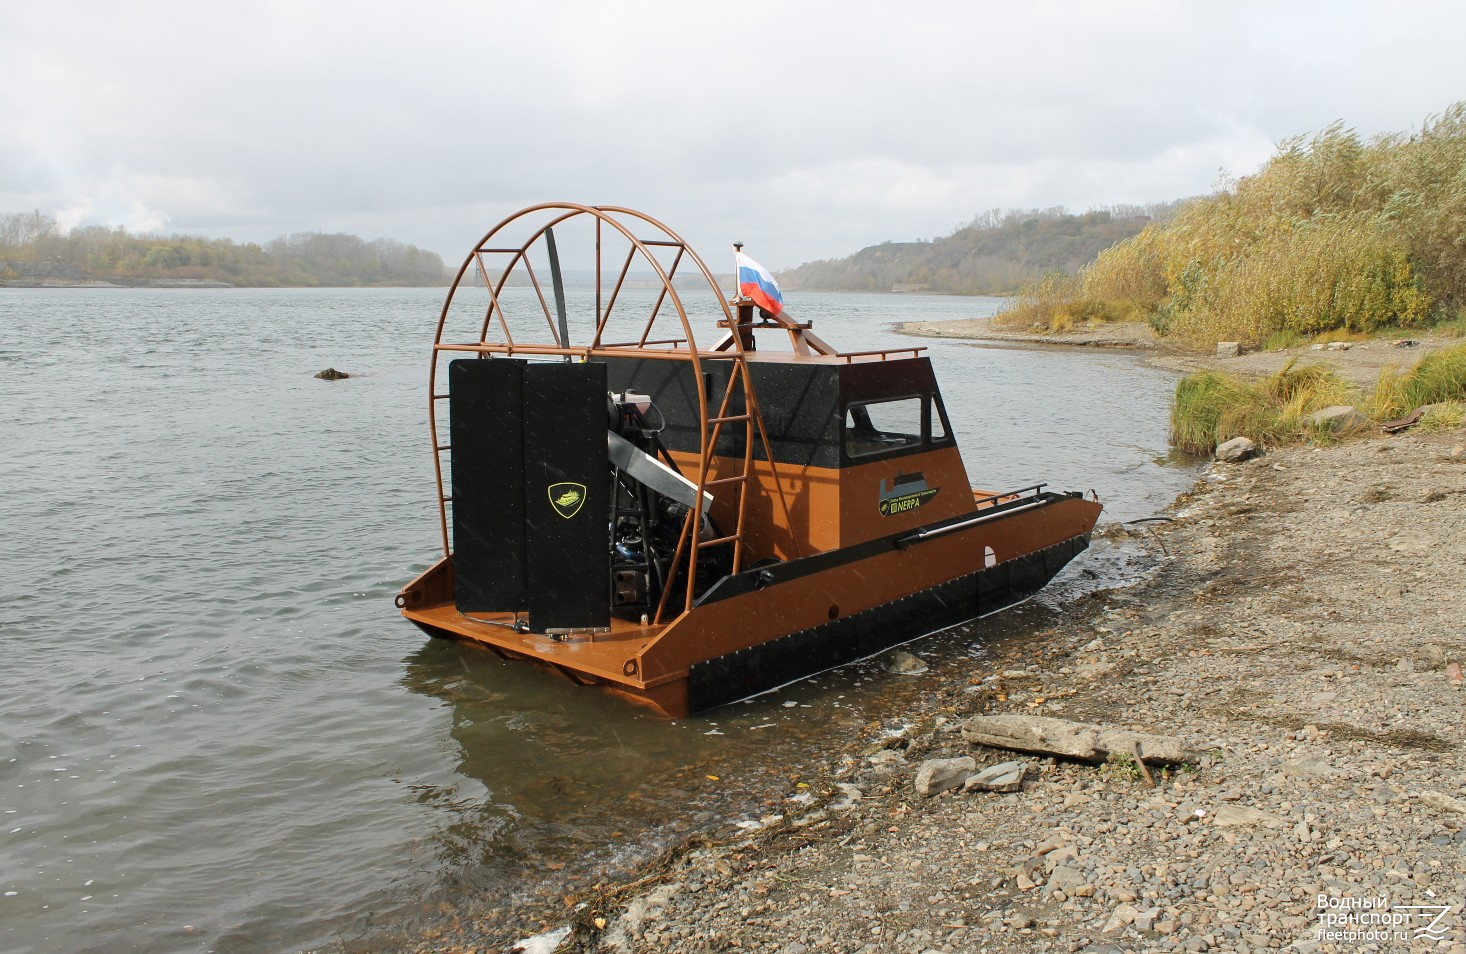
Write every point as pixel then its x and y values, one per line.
pixel 596 655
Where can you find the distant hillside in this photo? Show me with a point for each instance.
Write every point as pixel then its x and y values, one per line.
pixel 992 255
pixel 35 251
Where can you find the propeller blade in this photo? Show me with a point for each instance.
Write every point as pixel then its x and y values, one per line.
pixel 636 462
pixel 559 284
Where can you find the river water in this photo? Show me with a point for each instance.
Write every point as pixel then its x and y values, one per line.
pixel 218 733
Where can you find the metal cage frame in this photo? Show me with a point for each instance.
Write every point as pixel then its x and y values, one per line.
pixel 731 348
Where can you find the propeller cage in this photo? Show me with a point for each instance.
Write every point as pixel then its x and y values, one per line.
pixel 558 501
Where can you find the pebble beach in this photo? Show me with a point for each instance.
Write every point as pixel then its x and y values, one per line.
pixel 1298 636
pixel 1301 634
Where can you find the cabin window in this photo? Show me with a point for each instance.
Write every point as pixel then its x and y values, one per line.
pixel 880 426
pixel 938 421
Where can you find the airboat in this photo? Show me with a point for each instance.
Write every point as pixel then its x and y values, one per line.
pixel 686 498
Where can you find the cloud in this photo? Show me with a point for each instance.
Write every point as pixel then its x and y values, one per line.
pixel 811 129
pixel 135 218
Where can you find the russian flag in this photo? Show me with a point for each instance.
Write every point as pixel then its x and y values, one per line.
pixel 755 282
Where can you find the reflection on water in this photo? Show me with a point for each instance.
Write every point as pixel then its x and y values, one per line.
pixel 550 773
pixel 211 738
pixel 540 763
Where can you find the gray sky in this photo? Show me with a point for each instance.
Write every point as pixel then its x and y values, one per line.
pixel 807 130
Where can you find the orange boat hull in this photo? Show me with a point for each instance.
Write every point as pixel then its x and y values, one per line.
pixel 765 628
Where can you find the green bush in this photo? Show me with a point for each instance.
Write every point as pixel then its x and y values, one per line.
pixel 1202 401
pixel 1212 407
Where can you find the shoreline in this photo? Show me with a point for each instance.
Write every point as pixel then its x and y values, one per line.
pixel 1134 336
pixel 1359 362
pixel 1298 631
pixel 1309 661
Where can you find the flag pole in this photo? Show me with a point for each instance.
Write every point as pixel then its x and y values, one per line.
pixel 737 247
pixel 743 328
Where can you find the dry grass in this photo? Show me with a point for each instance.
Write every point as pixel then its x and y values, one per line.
pixel 1212 407
pixel 1437 378
pixel 1057 304
pixel 1446 416
pixel 1334 235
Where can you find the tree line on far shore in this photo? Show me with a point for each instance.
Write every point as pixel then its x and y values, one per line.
pixel 33 248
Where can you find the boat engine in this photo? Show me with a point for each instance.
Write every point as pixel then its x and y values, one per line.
pixel 650 502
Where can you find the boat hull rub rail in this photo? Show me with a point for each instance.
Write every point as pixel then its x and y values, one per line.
pixel 808 652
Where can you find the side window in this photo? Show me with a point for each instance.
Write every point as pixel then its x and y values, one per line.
pixel 939 431
pixel 881 426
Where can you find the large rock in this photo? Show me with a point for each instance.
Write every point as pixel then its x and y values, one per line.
pixel 1074 740
pixel 1243 816
pixel 1229 349
pixel 1339 418
pixel 885 762
pixel 1004 777
pixel 331 374
pixel 941 775
pixel 1307 768
pixel 1064 879
pixel 1236 449
pixel 1122 915
pixel 1152 748
pixel 903 663
pixel 1443 803
pixel 1040 734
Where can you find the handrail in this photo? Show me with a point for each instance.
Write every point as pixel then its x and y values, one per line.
pixel 661 354
pixel 883 353
pixel 1000 505
pixel 1008 494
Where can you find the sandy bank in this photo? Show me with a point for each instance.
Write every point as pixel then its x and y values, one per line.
pixel 1359 362
pixel 1299 631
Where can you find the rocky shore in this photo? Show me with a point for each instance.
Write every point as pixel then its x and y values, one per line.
pixel 1301 636
pixel 1300 639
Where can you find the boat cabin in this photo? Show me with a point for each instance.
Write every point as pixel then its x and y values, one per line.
pixel 851 450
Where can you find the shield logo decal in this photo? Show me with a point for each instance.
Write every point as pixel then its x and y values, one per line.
pixel 566 498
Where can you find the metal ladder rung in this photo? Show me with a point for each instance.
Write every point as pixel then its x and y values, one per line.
pixel 728 539
pixel 730 420
pixel 726 480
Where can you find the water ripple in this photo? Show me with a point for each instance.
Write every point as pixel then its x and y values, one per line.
pixel 218 733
